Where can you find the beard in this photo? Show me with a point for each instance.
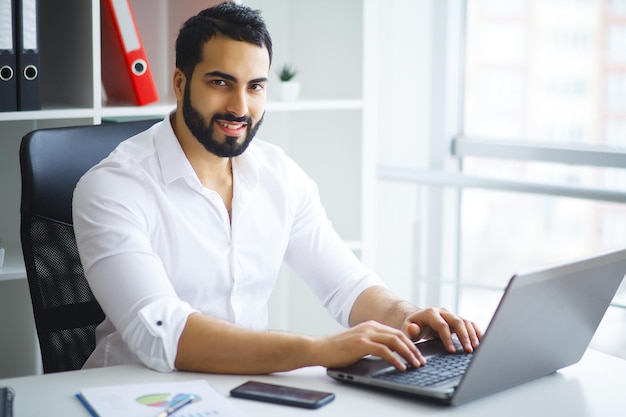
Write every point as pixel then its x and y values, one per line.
pixel 205 132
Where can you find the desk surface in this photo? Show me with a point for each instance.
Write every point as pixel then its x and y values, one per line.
pixel 593 387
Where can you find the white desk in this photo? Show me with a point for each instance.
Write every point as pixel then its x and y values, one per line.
pixel 593 387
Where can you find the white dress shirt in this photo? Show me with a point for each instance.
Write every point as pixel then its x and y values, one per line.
pixel 157 246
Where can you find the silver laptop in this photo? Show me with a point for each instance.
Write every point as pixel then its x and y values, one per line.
pixel 544 322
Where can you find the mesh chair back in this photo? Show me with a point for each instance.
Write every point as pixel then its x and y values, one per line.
pixel 65 310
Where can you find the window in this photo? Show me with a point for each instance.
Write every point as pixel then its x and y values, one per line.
pixel 548 77
pixel 533 170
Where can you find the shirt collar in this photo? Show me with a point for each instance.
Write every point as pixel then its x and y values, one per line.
pixel 174 163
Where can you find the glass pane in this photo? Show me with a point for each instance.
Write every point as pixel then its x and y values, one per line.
pixel 503 233
pixel 416 242
pixel 550 71
pixel 397 233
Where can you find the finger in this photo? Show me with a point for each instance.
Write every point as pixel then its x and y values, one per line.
pixel 445 334
pixel 477 334
pixel 441 324
pixel 467 332
pixel 466 335
pixel 398 342
pixel 413 331
pixel 411 354
pixel 471 343
pixel 478 330
pixel 405 348
pixel 388 355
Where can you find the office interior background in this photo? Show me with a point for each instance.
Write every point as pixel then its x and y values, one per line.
pixel 454 142
pixel 500 128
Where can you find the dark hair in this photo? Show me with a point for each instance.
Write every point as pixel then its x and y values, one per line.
pixel 232 20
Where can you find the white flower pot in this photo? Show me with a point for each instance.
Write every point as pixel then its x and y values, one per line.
pixel 289 90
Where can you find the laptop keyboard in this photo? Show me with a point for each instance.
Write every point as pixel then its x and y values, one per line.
pixel 436 370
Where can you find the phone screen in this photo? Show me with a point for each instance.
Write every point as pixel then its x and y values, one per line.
pixel 280 394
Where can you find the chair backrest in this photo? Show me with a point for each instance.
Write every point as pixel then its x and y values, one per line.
pixel 65 310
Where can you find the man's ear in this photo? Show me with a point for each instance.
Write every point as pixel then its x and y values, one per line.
pixel 179 81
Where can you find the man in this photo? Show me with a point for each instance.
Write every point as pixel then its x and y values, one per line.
pixel 183 228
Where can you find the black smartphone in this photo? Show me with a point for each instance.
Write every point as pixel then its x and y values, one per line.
pixel 280 394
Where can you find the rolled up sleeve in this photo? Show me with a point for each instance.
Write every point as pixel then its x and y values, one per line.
pixel 154 334
pixel 125 274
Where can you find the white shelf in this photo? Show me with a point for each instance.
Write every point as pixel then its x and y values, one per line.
pixel 13 267
pixel 48 114
pixel 311 105
pixel 161 109
pixel 151 110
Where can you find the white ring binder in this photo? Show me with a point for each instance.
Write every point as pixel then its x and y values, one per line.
pixel 6 73
pixel 30 72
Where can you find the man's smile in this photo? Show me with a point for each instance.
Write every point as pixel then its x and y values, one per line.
pixel 232 128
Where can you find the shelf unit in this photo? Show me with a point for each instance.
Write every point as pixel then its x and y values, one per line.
pixel 322 130
pixel 325 130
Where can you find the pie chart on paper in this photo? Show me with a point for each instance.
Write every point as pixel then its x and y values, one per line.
pixel 154 400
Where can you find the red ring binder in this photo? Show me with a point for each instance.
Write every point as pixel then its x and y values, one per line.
pixel 126 74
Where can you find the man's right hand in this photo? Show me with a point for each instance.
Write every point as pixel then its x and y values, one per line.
pixel 368 338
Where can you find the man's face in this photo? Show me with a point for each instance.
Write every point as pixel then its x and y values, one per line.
pixel 224 102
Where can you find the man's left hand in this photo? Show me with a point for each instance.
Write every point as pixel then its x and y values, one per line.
pixel 439 322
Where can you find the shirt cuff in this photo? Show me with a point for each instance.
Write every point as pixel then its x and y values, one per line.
pixel 342 310
pixel 153 335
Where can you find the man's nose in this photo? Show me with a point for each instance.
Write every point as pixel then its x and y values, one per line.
pixel 238 103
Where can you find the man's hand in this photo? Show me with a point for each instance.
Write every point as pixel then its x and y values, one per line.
pixel 439 322
pixel 367 338
pixel 380 304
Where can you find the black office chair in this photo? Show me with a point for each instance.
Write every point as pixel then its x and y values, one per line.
pixel 65 310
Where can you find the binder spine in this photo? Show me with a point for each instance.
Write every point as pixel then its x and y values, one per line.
pixel 126 74
pixel 8 60
pixel 28 79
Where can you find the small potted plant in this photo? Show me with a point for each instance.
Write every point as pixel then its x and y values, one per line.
pixel 289 88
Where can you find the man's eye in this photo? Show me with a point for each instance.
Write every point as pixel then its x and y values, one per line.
pixel 257 87
pixel 219 82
